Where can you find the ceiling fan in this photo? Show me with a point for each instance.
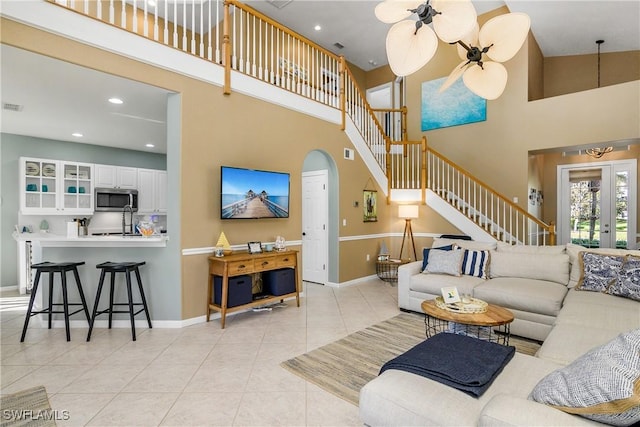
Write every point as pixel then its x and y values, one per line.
pixel 411 44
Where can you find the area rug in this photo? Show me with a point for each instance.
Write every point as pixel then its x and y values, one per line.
pixel 28 407
pixel 343 367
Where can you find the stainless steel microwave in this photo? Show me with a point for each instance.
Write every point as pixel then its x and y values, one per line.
pixel 115 199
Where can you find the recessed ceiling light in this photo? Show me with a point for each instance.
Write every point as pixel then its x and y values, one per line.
pixel 149 145
pixel 115 101
pixel 77 134
pixel 151 3
pixel 317 28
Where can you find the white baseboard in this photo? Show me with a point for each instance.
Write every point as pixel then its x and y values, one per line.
pixel 350 282
pixel 8 288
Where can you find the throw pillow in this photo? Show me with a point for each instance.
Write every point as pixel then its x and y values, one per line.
pixel 475 263
pixel 628 282
pixel 602 385
pixel 445 262
pixel 598 271
pixel 425 254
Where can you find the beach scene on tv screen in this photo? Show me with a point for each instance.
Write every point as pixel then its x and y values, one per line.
pixel 250 193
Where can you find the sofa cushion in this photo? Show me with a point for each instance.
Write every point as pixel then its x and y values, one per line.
pixel 598 271
pixel 425 254
pixel 553 268
pixel 475 263
pixel 602 385
pixel 598 310
pixel 465 244
pixel 627 284
pixel 445 262
pixel 536 296
pixel 530 249
pixel 433 283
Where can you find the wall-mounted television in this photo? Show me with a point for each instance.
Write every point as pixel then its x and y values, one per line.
pixel 251 194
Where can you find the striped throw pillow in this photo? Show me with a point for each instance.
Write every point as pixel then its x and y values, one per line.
pixel 475 263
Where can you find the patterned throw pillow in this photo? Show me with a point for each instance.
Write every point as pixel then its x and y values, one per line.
pixel 445 262
pixel 598 271
pixel 602 384
pixel 628 282
pixel 475 263
pixel 425 254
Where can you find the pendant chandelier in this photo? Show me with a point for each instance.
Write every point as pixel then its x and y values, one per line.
pixel 412 43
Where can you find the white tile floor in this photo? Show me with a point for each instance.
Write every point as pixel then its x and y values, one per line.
pixel 195 376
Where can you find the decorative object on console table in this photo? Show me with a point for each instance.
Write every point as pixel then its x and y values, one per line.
pixel 254 247
pixel 280 243
pixel 408 212
pixel 223 245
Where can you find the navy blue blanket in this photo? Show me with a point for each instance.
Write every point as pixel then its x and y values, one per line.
pixel 465 363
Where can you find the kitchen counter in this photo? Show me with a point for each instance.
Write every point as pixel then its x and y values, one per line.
pixel 60 241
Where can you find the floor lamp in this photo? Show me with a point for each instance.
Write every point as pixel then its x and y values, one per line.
pixel 408 212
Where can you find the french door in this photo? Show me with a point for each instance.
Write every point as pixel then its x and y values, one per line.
pixel 597 204
pixel 315 233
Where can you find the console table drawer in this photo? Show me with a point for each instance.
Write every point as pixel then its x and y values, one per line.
pixel 241 267
pixel 286 261
pixel 265 263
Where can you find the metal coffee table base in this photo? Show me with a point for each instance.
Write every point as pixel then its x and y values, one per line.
pixel 499 334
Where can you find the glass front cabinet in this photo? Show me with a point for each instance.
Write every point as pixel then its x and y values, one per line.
pixel 55 187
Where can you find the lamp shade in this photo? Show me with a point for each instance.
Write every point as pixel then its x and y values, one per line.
pixel 408 211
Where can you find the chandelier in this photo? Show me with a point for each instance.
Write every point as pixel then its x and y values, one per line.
pixel 598 152
pixel 411 44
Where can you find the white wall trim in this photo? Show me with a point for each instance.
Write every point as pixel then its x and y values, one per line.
pixel 209 249
pixel 351 282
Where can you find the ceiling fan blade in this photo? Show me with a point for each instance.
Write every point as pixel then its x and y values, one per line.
pixel 408 50
pixel 392 11
pixel 455 75
pixel 470 39
pixel 455 20
pixel 506 33
pixel 487 83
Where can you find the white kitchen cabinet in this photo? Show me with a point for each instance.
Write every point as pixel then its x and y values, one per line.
pixel 110 176
pixel 152 191
pixel 55 187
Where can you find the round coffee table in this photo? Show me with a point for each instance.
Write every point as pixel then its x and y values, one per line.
pixel 492 325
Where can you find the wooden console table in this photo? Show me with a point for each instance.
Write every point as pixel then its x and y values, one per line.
pixel 240 263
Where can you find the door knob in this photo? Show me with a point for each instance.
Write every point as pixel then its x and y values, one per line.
pixel 304 234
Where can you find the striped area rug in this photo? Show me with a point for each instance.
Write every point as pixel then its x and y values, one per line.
pixel 343 367
pixel 27 408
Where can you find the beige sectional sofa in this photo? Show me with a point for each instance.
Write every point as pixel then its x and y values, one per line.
pixel 569 321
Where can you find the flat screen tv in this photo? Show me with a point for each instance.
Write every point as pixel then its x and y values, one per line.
pixel 251 194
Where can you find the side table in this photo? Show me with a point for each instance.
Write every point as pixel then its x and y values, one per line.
pixel 478 325
pixel 388 270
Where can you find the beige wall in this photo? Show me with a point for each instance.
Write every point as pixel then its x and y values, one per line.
pixel 567 74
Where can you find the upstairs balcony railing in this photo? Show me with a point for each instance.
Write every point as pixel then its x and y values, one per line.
pixel 238 37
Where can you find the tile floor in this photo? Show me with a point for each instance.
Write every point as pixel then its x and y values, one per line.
pixel 194 376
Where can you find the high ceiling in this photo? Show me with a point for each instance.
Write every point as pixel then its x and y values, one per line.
pixel 58 98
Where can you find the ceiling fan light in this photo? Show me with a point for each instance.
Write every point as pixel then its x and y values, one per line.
pixel 487 83
pixel 455 75
pixel 392 11
pixel 455 19
pixel 408 50
pixel 506 33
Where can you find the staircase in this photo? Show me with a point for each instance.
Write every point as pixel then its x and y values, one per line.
pixel 242 40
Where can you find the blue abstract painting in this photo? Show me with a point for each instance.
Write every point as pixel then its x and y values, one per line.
pixel 455 106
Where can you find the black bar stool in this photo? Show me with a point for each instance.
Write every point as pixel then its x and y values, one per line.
pixel 51 268
pixel 126 268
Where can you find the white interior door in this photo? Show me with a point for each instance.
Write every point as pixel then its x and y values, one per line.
pixel 597 204
pixel 315 218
